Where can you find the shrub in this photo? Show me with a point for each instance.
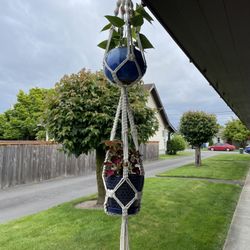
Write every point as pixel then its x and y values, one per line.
pixel 177 143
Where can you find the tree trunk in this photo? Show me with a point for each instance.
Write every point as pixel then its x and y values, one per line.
pixel 100 157
pixel 197 156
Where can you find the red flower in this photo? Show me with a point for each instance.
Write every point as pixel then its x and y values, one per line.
pixel 108 163
pixel 109 172
pixel 116 160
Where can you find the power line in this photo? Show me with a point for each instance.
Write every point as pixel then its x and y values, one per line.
pixel 216 113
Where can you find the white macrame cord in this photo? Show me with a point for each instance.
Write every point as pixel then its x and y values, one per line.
pixel 124 9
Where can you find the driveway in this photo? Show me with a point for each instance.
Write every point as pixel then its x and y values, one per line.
pixel 31 198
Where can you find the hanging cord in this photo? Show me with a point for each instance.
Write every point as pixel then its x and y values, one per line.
pixel 134 135
pixel 124 240
pixel 117 115
pixel 124 131
pixel 119 6
pixel 132 126
pixel 113 133
pixel 125 9
pixel 128 13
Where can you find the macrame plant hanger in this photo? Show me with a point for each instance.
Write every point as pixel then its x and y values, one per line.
pixel 123 194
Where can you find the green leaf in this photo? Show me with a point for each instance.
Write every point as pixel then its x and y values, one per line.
pixel 142 11
pixel 116 21
pixel 116 34
pixel 106 27
pixel 103 44
pixel 137 20
pixel 133 33
pixel 146 44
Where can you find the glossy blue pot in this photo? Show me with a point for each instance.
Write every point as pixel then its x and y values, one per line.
pixel 128 73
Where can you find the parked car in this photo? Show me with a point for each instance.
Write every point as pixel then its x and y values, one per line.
pixel 222 147
pixel 247 149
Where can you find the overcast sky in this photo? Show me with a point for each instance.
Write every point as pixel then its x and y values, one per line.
pixel 42 40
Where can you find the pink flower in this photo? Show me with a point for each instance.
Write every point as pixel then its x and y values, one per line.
pixel 108 163
pixel 116 160
pixel 109 172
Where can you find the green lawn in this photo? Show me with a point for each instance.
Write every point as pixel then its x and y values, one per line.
pixel 178 214
pixel 179 154
pixel 175 214
pixel 226 166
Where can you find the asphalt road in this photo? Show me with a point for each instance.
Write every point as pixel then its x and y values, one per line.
pixel 28 199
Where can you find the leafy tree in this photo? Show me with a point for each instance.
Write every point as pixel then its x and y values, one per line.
pixel 198 128
pixel 236 131
pixel 81 114
pixel 24 120
pixel 175 144
pixel 2 125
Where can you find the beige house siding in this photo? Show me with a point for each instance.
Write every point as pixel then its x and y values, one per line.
pixel 162 134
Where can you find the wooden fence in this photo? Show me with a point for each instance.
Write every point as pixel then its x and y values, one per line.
pixel 27 163
pixel 150 151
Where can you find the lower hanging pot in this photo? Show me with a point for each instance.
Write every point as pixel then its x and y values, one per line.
pixel 124 193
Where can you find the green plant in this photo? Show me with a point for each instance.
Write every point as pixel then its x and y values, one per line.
pixel 114 164
pixel 81 114
pixel 116 25
pixel 23 121
pixel 236 131
pixel 175 144
pixel 198 127
pixel 210 142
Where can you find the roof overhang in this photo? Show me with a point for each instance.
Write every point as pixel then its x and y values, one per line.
pixel 215 35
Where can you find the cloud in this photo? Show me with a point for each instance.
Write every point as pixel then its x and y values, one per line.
pixel 42 40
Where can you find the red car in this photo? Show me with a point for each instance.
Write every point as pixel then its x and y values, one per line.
pixel 221 147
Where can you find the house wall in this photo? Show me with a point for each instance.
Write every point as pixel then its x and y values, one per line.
pixel 162 134
pixel 218 138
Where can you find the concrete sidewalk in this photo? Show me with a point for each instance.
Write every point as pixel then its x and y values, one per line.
pixel 238 237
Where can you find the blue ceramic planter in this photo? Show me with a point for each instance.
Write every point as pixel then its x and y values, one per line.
pixel 128 73
pixel 124 193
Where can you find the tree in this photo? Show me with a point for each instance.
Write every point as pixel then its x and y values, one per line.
pixel 81 114
pixel 236 131
pixel 2 125
pixel 198 128
pixel 23 121
pixel 175 144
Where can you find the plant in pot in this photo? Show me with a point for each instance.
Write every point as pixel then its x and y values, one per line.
pixel 124 61
pixel 124 192
pixel 124 64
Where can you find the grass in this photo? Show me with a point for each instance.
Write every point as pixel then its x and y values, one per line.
pixel 226 166
pixel 179 154
pixel 176 214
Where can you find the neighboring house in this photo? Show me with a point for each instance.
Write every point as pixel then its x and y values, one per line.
pixel 218 138
pixel 165 127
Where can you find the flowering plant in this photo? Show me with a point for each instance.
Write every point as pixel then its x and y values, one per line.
pixel 114 163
